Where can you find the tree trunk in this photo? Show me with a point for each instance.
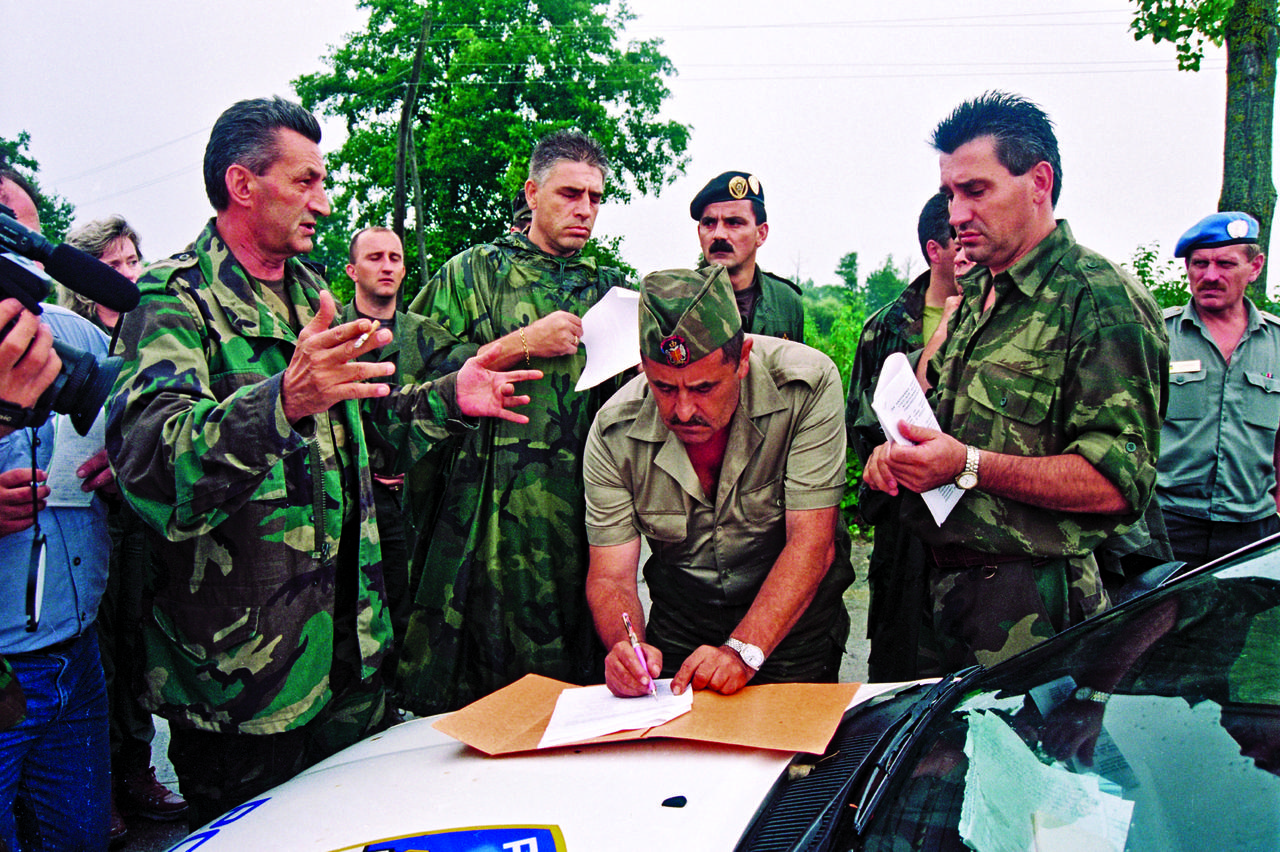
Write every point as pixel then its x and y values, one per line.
pixel 1253 35
pixel 404 148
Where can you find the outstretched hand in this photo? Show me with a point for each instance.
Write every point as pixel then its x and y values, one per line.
pixel 482 392
pixel 322 371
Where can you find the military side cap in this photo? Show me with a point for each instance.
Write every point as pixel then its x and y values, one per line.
pixel 686 314
pixel 730 186
pixel 1220 229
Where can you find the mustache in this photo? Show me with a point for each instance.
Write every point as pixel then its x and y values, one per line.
pixel 695 420
pixel 721 245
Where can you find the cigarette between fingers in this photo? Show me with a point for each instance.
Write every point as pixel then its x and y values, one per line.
pixel 364 338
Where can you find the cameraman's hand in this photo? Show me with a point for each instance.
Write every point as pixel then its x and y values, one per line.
pixel 28 364
pixel 16 511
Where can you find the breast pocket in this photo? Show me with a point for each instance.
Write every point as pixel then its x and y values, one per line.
pixel 1186 395
pixel 664 526
pixel 1262 404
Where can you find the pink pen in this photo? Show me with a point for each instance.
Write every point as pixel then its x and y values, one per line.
pixel 635 646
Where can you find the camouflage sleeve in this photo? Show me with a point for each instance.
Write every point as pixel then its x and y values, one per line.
pixel 414 417
pixel 191 459
pixel 452 296
pixel 862 427
pixel 1113 393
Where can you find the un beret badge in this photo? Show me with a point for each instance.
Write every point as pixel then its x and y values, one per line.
pixel 738 187
pixel 675 350
pixel 1238 229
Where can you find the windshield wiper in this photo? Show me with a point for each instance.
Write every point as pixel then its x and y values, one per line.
pixel 904 735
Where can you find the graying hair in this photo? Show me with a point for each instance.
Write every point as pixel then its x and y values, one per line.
pixel 570 146
pixel 246 134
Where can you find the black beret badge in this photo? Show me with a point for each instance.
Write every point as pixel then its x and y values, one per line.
pixel 738 187
pixel 675 350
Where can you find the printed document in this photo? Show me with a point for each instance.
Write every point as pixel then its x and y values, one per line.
pixel 611 334
pixel 583 713
pixel 898 396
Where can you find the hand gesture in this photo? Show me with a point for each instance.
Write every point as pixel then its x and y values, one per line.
pixel 485 393
pixel 322 372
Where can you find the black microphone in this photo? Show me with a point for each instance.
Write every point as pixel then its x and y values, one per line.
pixel 79 270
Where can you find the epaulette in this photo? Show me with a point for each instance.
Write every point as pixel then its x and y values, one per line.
pixel 1267 316
pixel 793 285
pixel 1176 311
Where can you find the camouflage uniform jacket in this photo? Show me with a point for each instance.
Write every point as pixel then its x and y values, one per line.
pixel 779 312
pixel 501 560
pixel 1071 358
pixel 241 588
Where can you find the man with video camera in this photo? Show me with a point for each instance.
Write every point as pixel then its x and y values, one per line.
pixel 54 548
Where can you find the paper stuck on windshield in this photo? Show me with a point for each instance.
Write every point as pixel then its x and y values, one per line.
pixel 611 334
pixel 593 711
pixel 898 397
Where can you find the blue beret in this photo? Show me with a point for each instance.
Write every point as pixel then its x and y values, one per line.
pixel 1220 229
pixel 730 186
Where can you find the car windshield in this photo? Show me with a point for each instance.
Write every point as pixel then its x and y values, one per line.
pixel 1153 727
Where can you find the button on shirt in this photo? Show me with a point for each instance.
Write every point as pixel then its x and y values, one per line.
pixel 1218 442
pixel 77 546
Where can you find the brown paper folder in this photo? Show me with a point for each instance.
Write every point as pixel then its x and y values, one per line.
pixel 785 716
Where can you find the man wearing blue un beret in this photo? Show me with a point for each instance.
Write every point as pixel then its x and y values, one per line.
pixel 1219 445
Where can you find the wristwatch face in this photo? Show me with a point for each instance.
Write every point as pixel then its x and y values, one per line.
pixel 751 655
pixel 966 480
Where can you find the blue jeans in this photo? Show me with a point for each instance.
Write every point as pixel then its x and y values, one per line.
pixel 55 780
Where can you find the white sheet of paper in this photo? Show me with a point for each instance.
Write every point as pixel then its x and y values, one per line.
pixel 611 333
pixel 70 450
pixel 592 711
pixel 898 397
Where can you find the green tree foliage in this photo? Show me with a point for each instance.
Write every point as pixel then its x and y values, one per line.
pixel 1251 31
pixel 847 271
pixel 1164 278
pixel 56 213
pixel 497 75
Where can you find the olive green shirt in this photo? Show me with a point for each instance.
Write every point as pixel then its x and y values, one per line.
pixel 786 450
pixel 1218 458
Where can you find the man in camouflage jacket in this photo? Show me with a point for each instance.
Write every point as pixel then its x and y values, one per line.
pixel 501 561
pixel 1049 398
pixel 235 433
pixel 896 568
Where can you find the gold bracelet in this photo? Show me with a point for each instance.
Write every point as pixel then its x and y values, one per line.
pixel 525 344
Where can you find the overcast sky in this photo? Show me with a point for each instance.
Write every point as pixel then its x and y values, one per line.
pixel 829 103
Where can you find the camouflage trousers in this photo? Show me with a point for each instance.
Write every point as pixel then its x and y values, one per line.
pixel 217 771
pixel 984 614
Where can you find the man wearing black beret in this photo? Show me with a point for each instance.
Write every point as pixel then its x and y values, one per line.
pixel 732 225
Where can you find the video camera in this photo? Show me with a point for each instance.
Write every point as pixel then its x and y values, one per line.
pixel 81 388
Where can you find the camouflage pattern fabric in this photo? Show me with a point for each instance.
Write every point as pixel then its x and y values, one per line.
pixel 686 315
pixel 13 703
pixel 896 569
pixel 241 590
pixel 1071 358
pixel 501 560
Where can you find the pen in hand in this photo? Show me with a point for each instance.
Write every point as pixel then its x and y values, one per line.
pixel 635 646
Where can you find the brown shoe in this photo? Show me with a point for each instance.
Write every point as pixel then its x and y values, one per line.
pixel 119 830
pixel 141 794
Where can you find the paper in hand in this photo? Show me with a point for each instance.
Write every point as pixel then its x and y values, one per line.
pixel 898 397
pixel 611 334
